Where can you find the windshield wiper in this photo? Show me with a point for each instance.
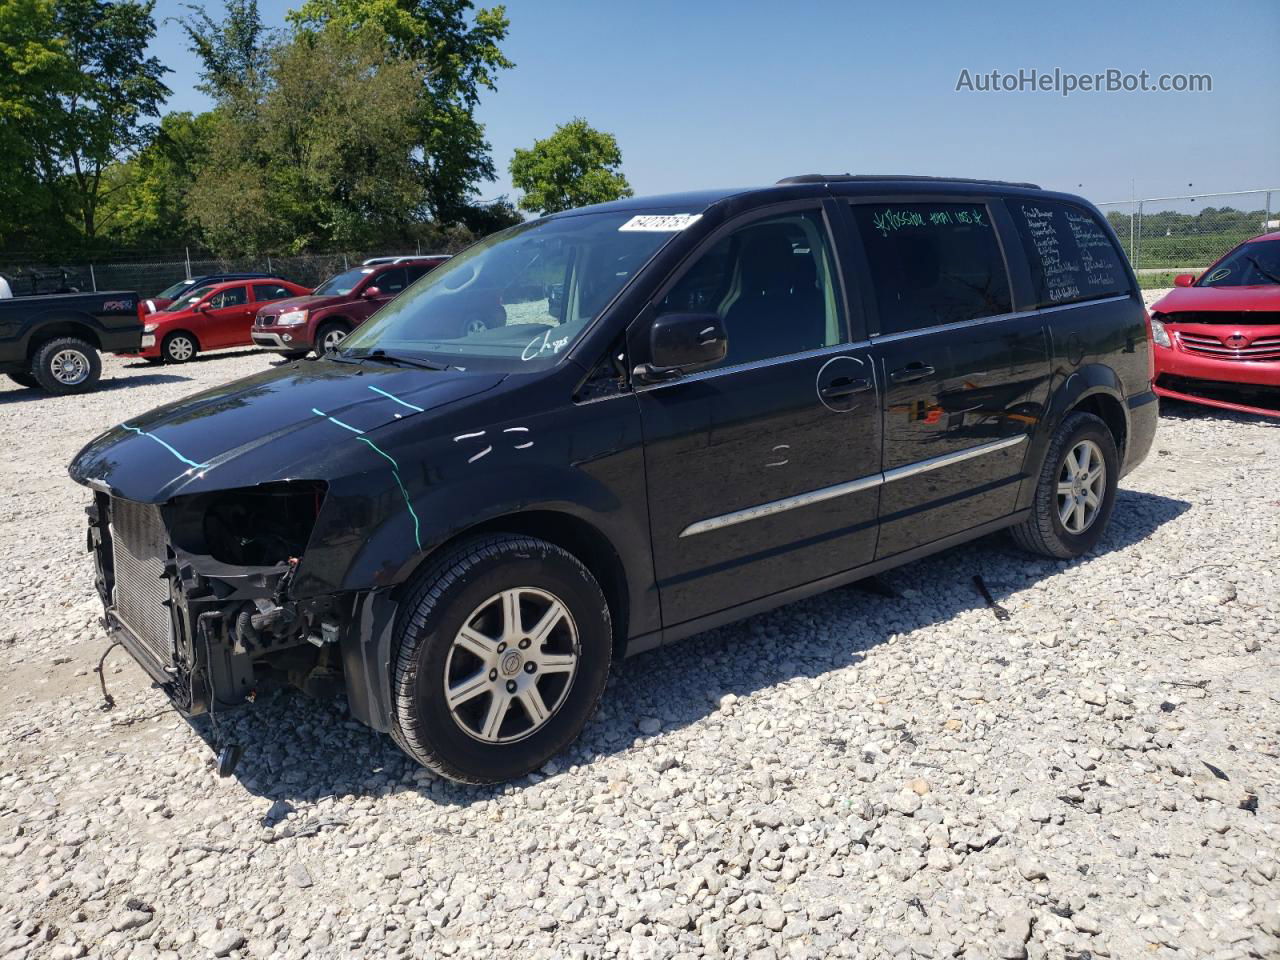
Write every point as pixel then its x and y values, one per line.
pixel 1263 270
pixel 383 357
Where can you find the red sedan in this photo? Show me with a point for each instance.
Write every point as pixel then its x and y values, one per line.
pixel 210 317
pixel 1219 333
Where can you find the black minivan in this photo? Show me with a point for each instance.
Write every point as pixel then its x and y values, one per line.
pixel 697 407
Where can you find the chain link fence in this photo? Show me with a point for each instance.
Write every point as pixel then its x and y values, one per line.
pixel 1162 236
pixel 148 275
pixel 1165 236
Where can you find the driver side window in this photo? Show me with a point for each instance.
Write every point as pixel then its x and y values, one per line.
pixel 771 283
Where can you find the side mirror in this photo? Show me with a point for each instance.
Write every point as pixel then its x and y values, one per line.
pixel 372 293
pixel 1184 280
pixel 681 343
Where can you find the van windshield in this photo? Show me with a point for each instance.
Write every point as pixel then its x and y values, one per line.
pixel 518 299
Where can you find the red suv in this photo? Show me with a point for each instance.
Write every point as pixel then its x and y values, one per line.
pixel 1218 336
pixel 323 319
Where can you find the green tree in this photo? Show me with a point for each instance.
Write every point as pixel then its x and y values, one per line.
pixel 575 166
pixel 145 199
pixel 32 60
pixel 95 108
pixel 235 51
pixel 458 56
pixel 328 157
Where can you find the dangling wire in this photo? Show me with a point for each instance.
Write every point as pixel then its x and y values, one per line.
pixel 108 701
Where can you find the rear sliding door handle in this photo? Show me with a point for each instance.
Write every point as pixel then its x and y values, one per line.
pixel 844 386
pixel 912 371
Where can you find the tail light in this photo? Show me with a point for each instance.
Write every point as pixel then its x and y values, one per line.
pixel 1151 344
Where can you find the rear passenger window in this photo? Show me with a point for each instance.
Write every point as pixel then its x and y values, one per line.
pixel 933 263
pixel 269 291
pixel 1072 256
pixel 771 283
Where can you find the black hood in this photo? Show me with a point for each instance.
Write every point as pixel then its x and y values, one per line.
pixel 279 425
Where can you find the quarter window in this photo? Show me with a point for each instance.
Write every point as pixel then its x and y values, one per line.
pixel 1072 255
pixel 933 263
pixel 772 285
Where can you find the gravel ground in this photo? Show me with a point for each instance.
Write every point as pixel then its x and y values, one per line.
pixel 861 775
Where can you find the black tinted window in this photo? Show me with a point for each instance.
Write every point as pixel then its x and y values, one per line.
pixel 1072 256
pixel 933 263
pixel 269 291
pixel 390 281
pixel 772 284
pixel 414 270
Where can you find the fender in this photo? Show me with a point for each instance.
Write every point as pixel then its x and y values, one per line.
pixel 1068 392
pixel 33 325
pixel 390 556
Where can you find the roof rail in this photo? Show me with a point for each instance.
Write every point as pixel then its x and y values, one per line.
pixel 863 177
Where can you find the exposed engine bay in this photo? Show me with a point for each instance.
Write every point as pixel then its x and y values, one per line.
pixel 197 590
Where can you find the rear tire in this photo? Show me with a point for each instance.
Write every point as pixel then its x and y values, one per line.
pixel 1073 502
pixel 66 365
pixel 480 694
pixel 179 347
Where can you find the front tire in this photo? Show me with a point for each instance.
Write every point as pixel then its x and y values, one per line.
pixel 179 347
pixel 503 651
pixel 66 365
pixel 329 338
pixel 1076 490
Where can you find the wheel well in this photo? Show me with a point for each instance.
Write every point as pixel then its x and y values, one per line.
pixel 62 328
pixel 578 537
pixel 332 322
pixel 1107 409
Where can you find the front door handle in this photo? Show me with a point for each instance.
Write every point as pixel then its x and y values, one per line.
pixel 911 372
pixel 844 386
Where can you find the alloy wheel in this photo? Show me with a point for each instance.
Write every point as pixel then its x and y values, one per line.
pixel 181 349
pixel 331 340
pixel 511 665
pixel 1082 483
pixel 69 367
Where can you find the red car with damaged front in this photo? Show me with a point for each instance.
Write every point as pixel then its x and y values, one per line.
pixel 1219 334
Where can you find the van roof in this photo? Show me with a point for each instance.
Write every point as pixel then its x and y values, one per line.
pixel 803 185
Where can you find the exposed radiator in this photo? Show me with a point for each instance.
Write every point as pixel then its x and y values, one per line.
pixel 141 591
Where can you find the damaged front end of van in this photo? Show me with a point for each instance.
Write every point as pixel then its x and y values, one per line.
pixel 252 535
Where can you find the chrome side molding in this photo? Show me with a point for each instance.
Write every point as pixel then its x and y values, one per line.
pixel 851 486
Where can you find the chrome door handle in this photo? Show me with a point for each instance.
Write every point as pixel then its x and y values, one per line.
pixel 912 371
pixel 844 386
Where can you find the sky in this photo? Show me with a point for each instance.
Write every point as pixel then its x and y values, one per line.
pixel 726 94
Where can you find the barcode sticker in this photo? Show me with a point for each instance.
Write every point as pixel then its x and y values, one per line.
pixel 663 223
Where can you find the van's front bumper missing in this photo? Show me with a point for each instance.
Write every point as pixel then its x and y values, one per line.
pixel 208 633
